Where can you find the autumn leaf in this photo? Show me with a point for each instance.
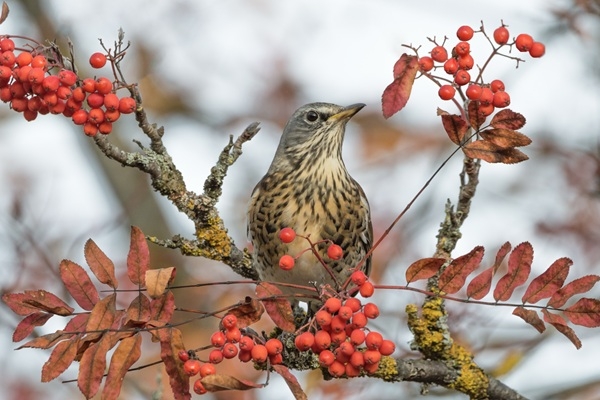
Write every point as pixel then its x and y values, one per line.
pixel 138 258
pixel 163 307
pixel 77 324
pixel 508 119
pixel 219 382
pixel 79 284
pixel 279 309
pixel 61 357
pixel 36 300
pixel 45 341
pixel 501 255
pixel 480 286
pixel 101 266
pixel 456 127
pixel 424 268
pixel 171 343
pixel 586 312
pixel 102 315
pixel 505 138
pixel 248 312
pixel 5 11
pixel 581 285
pixel 291 381
pixel 28 324
pixel 16 302
pixel 396 95
pixel 125 355
pixel 548 282
pixel 531 317
pixel 476 119
pixel 492 153
pixel 453 278
pixel 91 367
pixel 560 325
pixel 519 267
pixel 139 311
pixel 157 280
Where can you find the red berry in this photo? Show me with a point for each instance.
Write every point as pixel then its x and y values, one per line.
pixel 466 62
pixel 34 103
pixel 276 359
pixel 462 77
pixel 229 321
pixel 22 73
pixel 352 371
pixel 372 356
pixel 326 358
pixel 367 290
pixel 371 368
pixel 537 50
pixel 199 387
pixel 501 35
pixel 371 310
pixel 357 337
pixel 90 129
pixel 246 343
pixel 439 54
pixel 8 59
pixel 358 278
pixel 462 49
pixel 501 100
pixel 74 105
pixel 357 359
pixel 323 317
pixel 97 60
pixel 88 85
pixel 274 346
pixel 336 369
pixel 233 335
pixel 96 116
pixel 245 355
pixel 7 44
pixel 387 348
pixel 51 99
pixel 111 116
pixel 524 42
pixel 353 303
pixel 218 339
pixel 287 235
pixel 259 353
pixel 78 94
pixel 30 115
pixel 497 86
pixel 338 337
pixel 5 94
pixel 63 92
pixel 373 340
pixel 67 78
pixel 286 262
pixel 191 367
pixel 215 356
pixel 183 355
pixel 304 341
pixel 24 58
pixel 346 348
pixel 474 92
pixel 338 324
pixel 39 62
pixel 103 85
pixel 36 75
pixel 207 369
pixel 451 66
pixel 229 351
pixel 335 252
pixel 345 313
pixel 485 109
pixel 333 304
pixel 359 320
pixel 126 105
pixel 464 33
pixel 426 64
pixel 322 339
pixel 19 104
pixel 446 92
pixel 487 96
pixel 339 356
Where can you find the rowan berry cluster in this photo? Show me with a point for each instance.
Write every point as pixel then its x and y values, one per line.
pixel 459 62
pixel 287 262
pixel 34 84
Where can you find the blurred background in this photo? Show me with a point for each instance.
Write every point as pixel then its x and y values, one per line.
pixel 207 69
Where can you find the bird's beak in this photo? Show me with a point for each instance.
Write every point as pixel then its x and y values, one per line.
pixel 347 112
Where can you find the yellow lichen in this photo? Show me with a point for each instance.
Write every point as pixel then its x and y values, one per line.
pixel 388 369
pixel 217 243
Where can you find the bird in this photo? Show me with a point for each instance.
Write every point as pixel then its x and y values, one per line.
pixel 308 188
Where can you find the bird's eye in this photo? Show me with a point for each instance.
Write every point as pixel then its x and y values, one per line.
pixel 312 116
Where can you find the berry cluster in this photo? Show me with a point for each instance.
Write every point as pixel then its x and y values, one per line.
pixel 459 62
pixel 34 84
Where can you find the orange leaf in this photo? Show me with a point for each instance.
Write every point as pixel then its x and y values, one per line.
pixel 492 153
pixel 560 324
pixel 91 367
pixel 102 266
pixel 138 258
pixel 219 382
pixel 475 118
pixel 77 324
pixel 291 381
pixel 139 310
pixel 248 313
pixel 531 318
pixel 581 285
pixel 548 282
pixel 79 284
pixel 46 341
pixel 453 278
pixel 171 343
pixel 16 302
pixel 102 315
pixel 480 286
pixel 505 138
pixel 28 324
pixel 396 95
pixel 62 356
pixel 508 119
pixel 424 268
pixel 157 280
pixel 519 267
pixel 456 127
pixel 586 312
pixel 279 309
pixel 163 307
pixel 125 355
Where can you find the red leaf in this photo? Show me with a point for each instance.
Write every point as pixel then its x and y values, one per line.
pixel 102 315
pixel 163 307
pixel 28 324
pixel 140 309
pixel 424 268
pixel 278 308
pixel 531 318
pixel 291 381
pixel 502 252
pixel 35 300
pixel 79 284
pixel 456 127
pixel 508 119
pixel 453 278
pixel 586 312
pixel 62 356
pixel 248 312
pixel 125 355
pixel 505 138
pixel 46 341
pixel 157 280
pixel 77 324
pixel 581 285
pixel 138 259
pixel 560 324
pixel 476 119
pixel 396 95
pixel 220 382
pixel 171 343
pixel 102 267
pixel 16 302
pixel 548 282
pixel 480 286
pixel 519 267
pixel 492 153
pixel 91 367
